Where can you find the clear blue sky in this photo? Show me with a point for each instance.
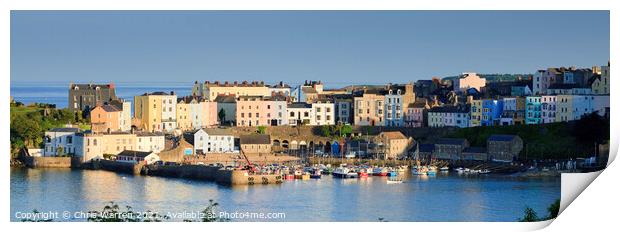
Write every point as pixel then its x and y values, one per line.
pixel 336 47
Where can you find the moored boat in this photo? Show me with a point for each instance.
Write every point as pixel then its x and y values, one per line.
pixel 380 172
pixel 344 173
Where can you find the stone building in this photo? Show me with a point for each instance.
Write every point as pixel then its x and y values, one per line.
pixel 255 144
pixel 394 144
pixel 450 148
pixel 83 97
pixel 504 148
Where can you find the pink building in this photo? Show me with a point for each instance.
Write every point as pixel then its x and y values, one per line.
pixel 261 111
pixel 209 114
pixel 415 114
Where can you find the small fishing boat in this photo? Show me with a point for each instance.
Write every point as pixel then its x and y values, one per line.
pixel 392 172
pixel 362 174
pixel 460 170
pixel 316 174
pixel 419 170
pixel 344 173
pixel 380 172
pixel 444 169
pixel 305 176
pixel 298 174
pixel 289 177
pixel 484 171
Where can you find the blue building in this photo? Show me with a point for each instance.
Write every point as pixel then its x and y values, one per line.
pixel 394 115
pixel 533 110
pixel 491 112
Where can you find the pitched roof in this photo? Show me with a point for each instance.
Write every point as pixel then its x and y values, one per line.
pixel 426 147
pixel 475 150
pixel 109 108
pixel 393 135
pixel 217 131
pixel 255 139
pixel 135 153
pixel 504 138
pixel 452 141
pixel 225 99
pixel 299 105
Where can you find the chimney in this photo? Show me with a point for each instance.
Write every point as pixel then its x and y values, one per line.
pixel 171 92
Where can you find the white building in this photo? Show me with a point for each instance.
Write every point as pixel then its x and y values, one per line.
pixel 125 116
pixel 300 113
pixel 134 157
pixel 169 112
pixel 445 116
pixel 323 113
pixel 58 139
pixel 154 142
pixel 573 107
pixel 213 141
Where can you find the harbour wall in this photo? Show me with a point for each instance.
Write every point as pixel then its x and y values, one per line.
pixel 209 173
pixel 47 162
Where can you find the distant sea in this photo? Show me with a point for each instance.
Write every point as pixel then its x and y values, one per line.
pixel 58 93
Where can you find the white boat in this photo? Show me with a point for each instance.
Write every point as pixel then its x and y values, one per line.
pixel 444 169
pixel 485 171
pixel 460 170
pixel 344 173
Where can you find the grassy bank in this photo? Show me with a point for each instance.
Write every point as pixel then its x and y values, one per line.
pixel 29 122
pixel 547 141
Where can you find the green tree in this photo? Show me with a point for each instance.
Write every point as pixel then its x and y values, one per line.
pixel 209 214
pixel 112 213
pixel 529 215
pixel 346 130
pixel 554 209
pixel 221 115
pixel 261 129
pixel 325 131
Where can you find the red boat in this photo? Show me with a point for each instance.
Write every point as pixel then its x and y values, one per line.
pixel 289 177
pixel 380 172
pixel 362 174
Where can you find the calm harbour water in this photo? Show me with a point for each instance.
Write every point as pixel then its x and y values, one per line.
pixel 441 198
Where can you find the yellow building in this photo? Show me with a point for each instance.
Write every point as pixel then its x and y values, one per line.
pixel 476 113
pixel 184 122
pixel 156 111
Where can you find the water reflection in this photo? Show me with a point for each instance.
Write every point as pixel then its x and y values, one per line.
pixel 418 198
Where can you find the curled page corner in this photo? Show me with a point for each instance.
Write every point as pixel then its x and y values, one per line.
pixel 573 184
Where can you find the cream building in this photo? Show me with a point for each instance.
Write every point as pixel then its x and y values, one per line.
pixel 469 80
pixel 95 146
pixel 369 109
pixel 211 90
